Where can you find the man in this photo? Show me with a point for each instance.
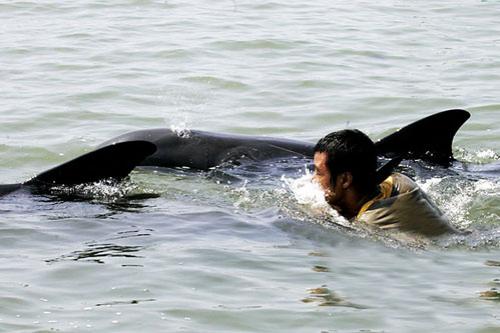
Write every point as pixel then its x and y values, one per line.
pixel 345 164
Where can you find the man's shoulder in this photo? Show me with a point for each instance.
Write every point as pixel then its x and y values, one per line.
pixel 402 183
pixel 407 209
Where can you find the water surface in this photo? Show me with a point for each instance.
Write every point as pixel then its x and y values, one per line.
pixel 182 251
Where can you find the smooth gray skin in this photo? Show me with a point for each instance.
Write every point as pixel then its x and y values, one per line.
pixel 203 150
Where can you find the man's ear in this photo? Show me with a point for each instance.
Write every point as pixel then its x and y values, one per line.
pixel 346 179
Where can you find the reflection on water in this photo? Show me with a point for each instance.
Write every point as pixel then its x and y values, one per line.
pixel 326 297
pixel 98 252
pixel 320 268
pixel 493 263
pixel 492 295
pixel 134 301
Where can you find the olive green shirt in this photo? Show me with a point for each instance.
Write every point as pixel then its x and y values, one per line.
pixel 403 206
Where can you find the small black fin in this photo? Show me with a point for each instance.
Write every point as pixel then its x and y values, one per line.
pixel 429 139
pixel 9 188
pixel 387 169
pixel 113 161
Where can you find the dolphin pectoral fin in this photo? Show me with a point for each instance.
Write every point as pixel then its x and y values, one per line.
pixel 113 161
pixel 429 139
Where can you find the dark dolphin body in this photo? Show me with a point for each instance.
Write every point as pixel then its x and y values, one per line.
pixel 428 139
pixel 204 150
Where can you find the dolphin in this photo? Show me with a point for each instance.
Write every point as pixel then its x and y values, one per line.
pixel 429 139
pixel 203 150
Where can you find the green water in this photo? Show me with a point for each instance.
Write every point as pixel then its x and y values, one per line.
pixel 207 256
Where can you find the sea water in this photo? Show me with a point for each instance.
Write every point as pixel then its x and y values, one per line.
pixel 242 251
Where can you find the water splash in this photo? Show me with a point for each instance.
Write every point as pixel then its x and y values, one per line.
pixel 308 193
pixel 479 156
pixel 470 204
pixel 466 202
pixel 311 199
pixel 105 191
pixel 243 195
pixel 182 130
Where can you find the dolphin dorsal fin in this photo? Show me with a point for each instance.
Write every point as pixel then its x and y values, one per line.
pixel 429 139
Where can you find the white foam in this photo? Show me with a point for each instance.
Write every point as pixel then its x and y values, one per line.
pixel 243 196
pixel 104 190
pixel 458 197
pixel 487 154
pixel 182 130
pixel 479 156
pixel 309 195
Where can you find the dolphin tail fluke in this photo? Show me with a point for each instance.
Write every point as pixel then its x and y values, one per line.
pixel 429 139
pixel 114 161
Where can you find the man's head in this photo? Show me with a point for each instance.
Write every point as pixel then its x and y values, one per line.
pixel 345 164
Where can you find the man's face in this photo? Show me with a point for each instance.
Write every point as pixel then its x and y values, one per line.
pixel 321 171
pixel 322 176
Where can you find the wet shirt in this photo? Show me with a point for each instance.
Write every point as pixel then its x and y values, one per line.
pixel 403 206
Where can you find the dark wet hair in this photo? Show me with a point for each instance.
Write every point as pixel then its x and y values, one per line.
pixel 350 150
